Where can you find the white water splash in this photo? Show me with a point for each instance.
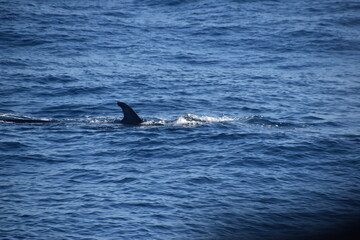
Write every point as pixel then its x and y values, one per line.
pixel 193 120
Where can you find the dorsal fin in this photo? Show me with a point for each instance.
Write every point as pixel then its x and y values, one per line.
pixel 130 116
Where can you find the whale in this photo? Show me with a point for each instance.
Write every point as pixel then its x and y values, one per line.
pixel 130 116
pixel 28 121
pixel 23 119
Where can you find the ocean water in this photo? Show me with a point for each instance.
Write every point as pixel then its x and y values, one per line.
pixel 252 110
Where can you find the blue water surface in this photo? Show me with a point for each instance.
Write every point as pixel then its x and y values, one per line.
pixel 252 112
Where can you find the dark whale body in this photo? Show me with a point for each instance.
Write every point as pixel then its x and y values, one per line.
pixel 130 116
pixel 28 121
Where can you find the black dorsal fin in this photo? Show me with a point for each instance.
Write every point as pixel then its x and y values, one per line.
pixel 130 116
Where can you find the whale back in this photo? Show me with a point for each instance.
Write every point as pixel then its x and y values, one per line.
pixel 130 116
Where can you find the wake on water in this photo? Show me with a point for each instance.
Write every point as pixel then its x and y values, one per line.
pixel 131 118
pixel 186 120
pixel 193 120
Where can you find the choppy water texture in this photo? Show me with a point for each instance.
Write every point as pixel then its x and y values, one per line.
pixel 252 112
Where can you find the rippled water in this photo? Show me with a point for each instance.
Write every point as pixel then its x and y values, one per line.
pixel 252 112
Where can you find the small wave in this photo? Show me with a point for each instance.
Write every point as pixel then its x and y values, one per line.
pixel 202 180
pixel 164 3
pixel 13 62
pixel 97 120
pixel 154 123
pixel 187 120
pixel 11 146
pixel 193 120
pixel 267 122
